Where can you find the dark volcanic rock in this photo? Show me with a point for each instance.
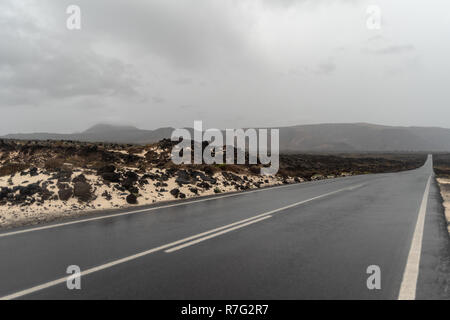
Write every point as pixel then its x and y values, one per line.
pixel 164 177
pixel 209 171
pixel 45 194
pixel 30 189
pixel 131 176
pixel 143 182
pixel 204 185
pixel 119 187
pixel 131 199
pixel 129 181
pixel 127 184
pixel 152 156
pixel 33 171
pixel 62 176
pixel 82 190
pixel 183 177
pixel 167 143
pixel 106 195
pixel 130 158
pixel 87 150
pixel 193 190
pixel 65 193
pixel 111 176
pixel 230 176
pixel 150 176
pixel 204 177
pixel 106 169
pixel 175 192
pixel 79 178
pixel 4 193
pixel 160 184
pixel 133 190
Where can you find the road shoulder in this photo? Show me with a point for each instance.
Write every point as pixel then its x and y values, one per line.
pixel 433 281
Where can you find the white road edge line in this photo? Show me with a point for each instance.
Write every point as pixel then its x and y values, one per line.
pixel 166 246
pixel 411 273
pixel 191 243
pixel 139 211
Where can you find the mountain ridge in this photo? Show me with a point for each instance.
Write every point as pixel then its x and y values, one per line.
pixel 327 137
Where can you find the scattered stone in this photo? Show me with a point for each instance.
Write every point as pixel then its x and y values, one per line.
pixel 193 190
pixel 111 176
pixel 4 192
pixel 231 176
pixel 65 192
pixel 61 176
pixel 204 177
pixel 67 167
pixel 160 184
pixel 106 195
pixel 79 178
pixel 143 182
pixel 131 175
pixel 131 199
pixel 30 189
pixel 204 185
pixel 183 177
pixel 175 192
pixel 82 190
pixel 33 172
pixel 106 169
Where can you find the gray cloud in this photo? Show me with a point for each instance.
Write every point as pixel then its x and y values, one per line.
pixel 158 99
pixel 35 66
pixel 394 49
pixel 229 63
pixel 325 68
pixel 184 33
pixel 183 81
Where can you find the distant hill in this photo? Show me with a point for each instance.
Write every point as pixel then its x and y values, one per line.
pixel 102 133
pixel 363 137
pixel 352 137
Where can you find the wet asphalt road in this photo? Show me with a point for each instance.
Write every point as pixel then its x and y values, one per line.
pixel 306 241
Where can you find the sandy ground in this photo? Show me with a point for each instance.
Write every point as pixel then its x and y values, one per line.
pixel 445 192
pixel 106 196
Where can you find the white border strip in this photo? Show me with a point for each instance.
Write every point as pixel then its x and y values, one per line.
pixel 411 273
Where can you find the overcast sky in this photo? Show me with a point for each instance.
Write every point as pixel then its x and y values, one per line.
pixel 230 63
